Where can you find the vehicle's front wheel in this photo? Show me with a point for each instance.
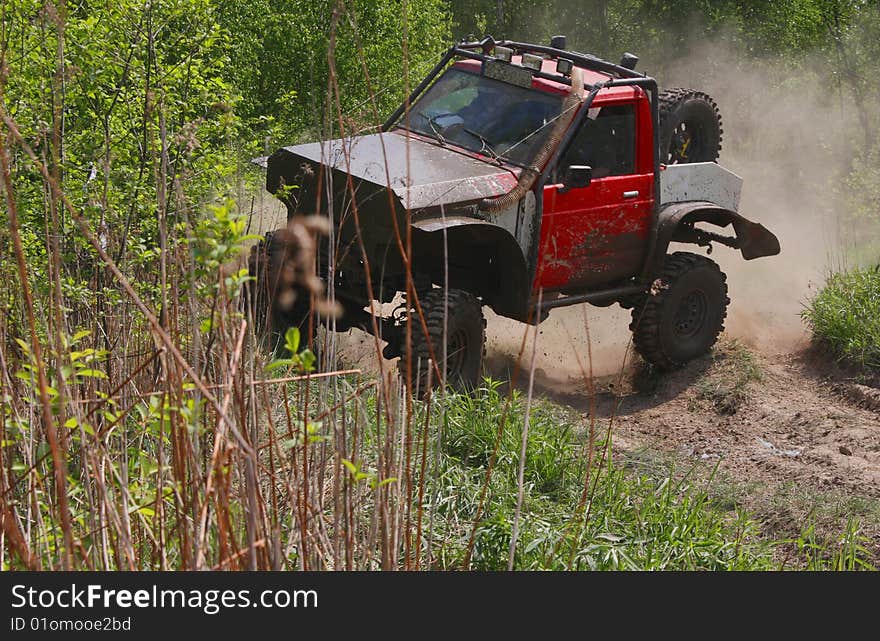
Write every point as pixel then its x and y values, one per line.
pixel 685 313
pixel 465 341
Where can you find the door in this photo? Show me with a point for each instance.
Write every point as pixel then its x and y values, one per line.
pixel 597 235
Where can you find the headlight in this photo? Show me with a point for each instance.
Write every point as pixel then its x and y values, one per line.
pixel 564 66
pixel 532 62
pixel 503 53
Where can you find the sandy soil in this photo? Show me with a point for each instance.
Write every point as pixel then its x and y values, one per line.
pixel 796 423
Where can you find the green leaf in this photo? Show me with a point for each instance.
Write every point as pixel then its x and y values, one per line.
pixel 76 355
pixel 79 336
pixel 278 363
pixel 351 466
pixel 291 339
pixel 307 359
pixel 71 423
pixel 91 373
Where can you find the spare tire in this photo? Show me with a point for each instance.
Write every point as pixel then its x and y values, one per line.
pixel 690 127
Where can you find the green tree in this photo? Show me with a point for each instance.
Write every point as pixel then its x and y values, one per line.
pixel 280 61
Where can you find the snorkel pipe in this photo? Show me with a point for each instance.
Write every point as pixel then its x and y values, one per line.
pixel 573 100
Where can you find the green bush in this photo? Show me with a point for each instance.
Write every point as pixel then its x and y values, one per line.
pixel 846 315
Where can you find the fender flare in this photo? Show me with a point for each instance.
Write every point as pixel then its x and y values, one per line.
pixel 674 222
pixel 496 245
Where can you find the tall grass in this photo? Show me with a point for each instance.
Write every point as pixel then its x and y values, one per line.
pixel 634 522
pixel 845 315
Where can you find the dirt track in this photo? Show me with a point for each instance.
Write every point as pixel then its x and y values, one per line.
pixel 799 445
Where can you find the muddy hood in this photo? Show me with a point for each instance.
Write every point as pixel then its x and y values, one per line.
pixel 422 174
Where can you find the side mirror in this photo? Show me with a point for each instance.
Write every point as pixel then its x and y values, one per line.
pixel 577 176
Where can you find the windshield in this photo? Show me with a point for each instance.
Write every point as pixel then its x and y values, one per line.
pixel 487 116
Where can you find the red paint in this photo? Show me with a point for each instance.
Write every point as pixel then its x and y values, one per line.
pixel 593 236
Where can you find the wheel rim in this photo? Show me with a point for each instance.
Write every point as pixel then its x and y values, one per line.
pixel 691 315
pixel 686 144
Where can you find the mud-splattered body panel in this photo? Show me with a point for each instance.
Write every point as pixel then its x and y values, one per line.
pixel 598 235
pixel 594 236
pixel 422 174
pixel 707 181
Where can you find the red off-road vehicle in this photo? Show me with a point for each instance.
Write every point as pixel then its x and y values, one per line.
pixel 522 177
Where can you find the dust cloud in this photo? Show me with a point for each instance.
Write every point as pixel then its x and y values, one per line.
pixel 786 137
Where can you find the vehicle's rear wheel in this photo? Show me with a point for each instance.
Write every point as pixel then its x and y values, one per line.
pixel 465 341
pixel 690 127
pixel 685 314
pixel 273 297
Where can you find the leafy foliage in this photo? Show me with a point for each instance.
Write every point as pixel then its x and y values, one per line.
pixel 280 62
pixel 846 315
pixel 303 361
